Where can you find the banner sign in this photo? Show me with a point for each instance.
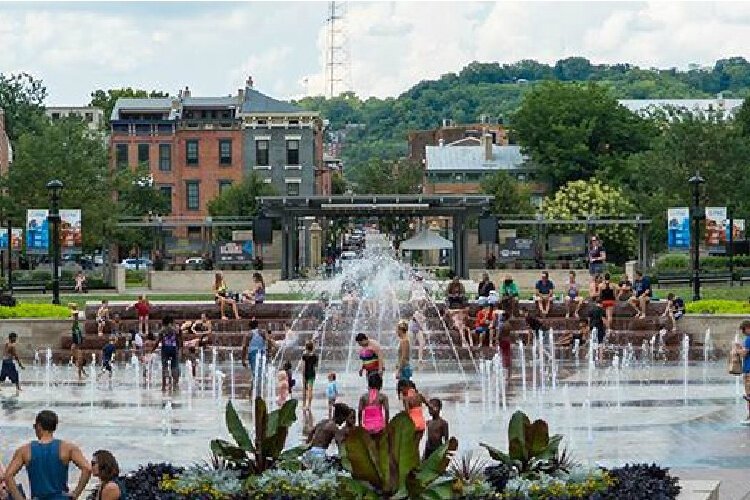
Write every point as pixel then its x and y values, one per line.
pixel 678 228
pixel 37 231
pixel 16 239
pixel 716 229
pixel 567 244
pixel 234 251
pixel 70 231
pixel 517 248
pixel 739 230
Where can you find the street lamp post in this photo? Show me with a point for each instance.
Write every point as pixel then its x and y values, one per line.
pixel 697 216
pixel 55 189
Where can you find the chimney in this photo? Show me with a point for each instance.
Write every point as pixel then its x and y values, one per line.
pixel 241 95
pixel 487 143
pixel 249 82
pixel 186 92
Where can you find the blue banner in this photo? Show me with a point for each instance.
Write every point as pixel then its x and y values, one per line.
pixel 37 231
pixel 678 228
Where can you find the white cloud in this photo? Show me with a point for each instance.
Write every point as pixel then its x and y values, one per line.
pixel 212 48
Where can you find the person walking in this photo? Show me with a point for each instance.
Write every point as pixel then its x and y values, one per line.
pixel 47 460
pixel 10 354
pixel 417 326
pixel 80 282
pixel 308 364
pixel 403 368
pixel 170 340
pixel 607 295
pixel 254 346
pixel 104 467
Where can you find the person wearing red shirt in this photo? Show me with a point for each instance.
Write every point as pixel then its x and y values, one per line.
pixel 482 321
pixel 142 308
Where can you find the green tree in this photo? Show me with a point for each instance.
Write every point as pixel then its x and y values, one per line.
pixel 511 196
pixel 580 199
pixel 573 130
pixel 106 99
pixel 338 183
pixel 388 177
pixel 22 99
pixel 240 199
pixel 63 150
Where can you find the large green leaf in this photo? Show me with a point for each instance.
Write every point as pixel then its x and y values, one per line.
pixel 237 429
pixel 496 454
pixel 537 438
pixel 551 449
pixel 517 446
pixel 404 447
pixel 228 451
pixel 421 479
pixel 261 419
pixel 362 458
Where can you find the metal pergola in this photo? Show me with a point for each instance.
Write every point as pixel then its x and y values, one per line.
pixel 291 208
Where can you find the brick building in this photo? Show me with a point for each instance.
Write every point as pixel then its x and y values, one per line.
pixel 450 133
pixel 6 150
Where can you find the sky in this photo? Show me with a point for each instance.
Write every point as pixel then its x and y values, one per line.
pixel 212 47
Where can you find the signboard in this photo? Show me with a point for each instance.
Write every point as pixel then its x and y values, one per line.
pixel 739 230
pixel 504 234
pixel 17 238
pixel 716 229
pixel 234 251
pixel 567 244
pixel 678 228
pixel 517 248
pixel 70 231
pixel 37 231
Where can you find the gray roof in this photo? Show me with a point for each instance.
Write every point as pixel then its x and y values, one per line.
pixel 224 101
pixel 140 104
pixel 256 102
pixel 472 158
pixel 640 105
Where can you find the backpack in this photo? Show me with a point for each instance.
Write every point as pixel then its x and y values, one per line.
pixel 373 419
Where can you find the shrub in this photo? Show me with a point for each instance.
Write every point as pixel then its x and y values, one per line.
pixel 718 307
pixel 642 481
pixel 41 275
pixel 144 483
pixel 304 485
pixel 672 262
pixel 215 483
pixel 135 276
pixel 34 311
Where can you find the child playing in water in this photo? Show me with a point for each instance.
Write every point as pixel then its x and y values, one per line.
pixel 332 392
pixel 290 380
pixel 437 429
pixel 308 364
pixel 77 346
pixel 108 351
pixel 373 406
pixel 102 316
pixel 142 307
pixel 413 402
pixel 282 388
pixel 9 368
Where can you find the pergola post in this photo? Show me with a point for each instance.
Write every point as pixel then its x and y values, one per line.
pixel 460 246
pixel 288 247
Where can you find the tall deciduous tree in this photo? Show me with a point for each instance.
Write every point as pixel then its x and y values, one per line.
pixel 388 177
pixel 572 130
pixel 22 99
pixel 239 200
pixel 511 196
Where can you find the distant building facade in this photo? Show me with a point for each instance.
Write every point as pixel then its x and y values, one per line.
pixel 450 133
pixel 6 150
pixel 93 117
pixel 283 144
pixel 459 167
pixel 728 106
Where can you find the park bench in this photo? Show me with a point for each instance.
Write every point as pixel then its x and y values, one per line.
pixel 30 286
pixel 743 276
pixel 686 277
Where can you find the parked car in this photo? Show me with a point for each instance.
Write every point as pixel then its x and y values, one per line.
pixel 137 263
pixel 197 261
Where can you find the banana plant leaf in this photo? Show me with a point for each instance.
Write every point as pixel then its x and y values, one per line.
pixel 517 445
pixel 537 438
pixel 228 451
pixel 237 429
pixel 404 449
pixel 363 458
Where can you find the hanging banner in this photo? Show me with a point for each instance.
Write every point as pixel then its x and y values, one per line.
pixel 37 231
pixel 678 228
pixel 16 239
pixel 739 230
pixel 716 229
pixel 70 231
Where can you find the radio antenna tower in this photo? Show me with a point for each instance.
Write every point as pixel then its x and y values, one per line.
pixel 338 58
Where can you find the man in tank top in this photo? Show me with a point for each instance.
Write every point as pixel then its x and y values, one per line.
pixel 47 460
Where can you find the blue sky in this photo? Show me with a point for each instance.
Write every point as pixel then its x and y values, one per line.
pixel 212 47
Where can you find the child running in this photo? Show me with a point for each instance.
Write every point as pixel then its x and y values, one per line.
pixel 373 406
pixel 308 364
pixel 437 429
pixel 332 392
pixel 108 351
pixel 9 368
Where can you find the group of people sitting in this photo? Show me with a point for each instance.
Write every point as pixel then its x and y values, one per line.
pixel 256 294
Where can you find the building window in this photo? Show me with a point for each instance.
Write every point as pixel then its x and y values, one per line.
pixel 292 189
pixel 165 157
pixel 194 232
pixel 191 152
pixel 225 151
pixel 193 196
pixel 143 154
pixel 89 117
pixel 166 193
pixel 224 184
pixel 121 155
pixel 261 153
pixel 55 116
pixel 292 152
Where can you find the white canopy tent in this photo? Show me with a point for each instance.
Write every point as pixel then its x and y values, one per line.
pixel 426 239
